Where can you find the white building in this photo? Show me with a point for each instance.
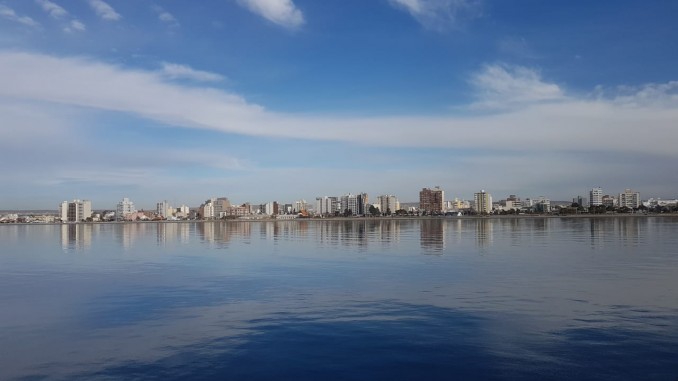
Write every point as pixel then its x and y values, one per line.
pixel 300 206
pixel 326 206
pixel 183 211
pixel 482 202
pixel 629 199
pixel 75 211
pixel 164 209
pixel 124 208
pixel 596 196
pixel 388 204
pixel 207 209
pixel 543 205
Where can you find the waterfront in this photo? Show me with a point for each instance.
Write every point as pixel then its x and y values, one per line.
pixel 504 298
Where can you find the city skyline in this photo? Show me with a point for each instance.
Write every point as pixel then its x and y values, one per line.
pixel 294 99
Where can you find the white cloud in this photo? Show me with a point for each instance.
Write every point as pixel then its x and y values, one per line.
pixel 281 12
pixel 53 9
pixel 562 124
pixel 176 71
pixel 165 16
pixel 9 14
pixel 77 26
pixel 439 15
pixel 103 10
pixel 502 86
pixel 58 12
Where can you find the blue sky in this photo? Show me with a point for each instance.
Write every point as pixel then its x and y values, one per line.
pixel 262 100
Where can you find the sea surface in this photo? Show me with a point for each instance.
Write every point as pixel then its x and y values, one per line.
pixel 363 299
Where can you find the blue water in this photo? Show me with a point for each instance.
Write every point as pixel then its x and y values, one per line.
pixel 447 299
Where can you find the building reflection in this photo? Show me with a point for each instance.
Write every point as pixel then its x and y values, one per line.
pixel 76 236
pixel 432 235
pixel 626 230
pixel 223 232
pixel 484 232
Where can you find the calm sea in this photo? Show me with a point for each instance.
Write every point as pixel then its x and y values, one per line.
pixel 447 299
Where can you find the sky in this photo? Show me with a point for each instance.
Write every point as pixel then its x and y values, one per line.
pixel 262 100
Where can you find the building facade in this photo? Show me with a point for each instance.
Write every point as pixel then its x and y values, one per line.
pixel 164 209
pixel 596 196
pixel 388 204
pixel 431 200
pixel 629 199
pixel 482 202
pixel 124 208
pixel 75 211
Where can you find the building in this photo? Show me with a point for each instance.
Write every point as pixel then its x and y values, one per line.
pixel 183 211
pixel 543 205
pixel 388 204
pixel 327 206
pixel 164 209
pixel 629 199
pixel 271 208
pixel 354 205
pixel 300 206
pixel 513 202
pixel 75 211
pixel 482 202
pixel 596 196
pixel 609 201
pixel 206 210
pixel 431 200
pixel 124 208
pixel 221 205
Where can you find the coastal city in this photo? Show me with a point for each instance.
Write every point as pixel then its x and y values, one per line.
pixel 432 202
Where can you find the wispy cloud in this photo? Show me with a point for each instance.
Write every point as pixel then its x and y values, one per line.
pixel 176 71
pixel 57 12
pixel 164 15
pixel 9 14
pixel 53 9
pixel 503 86
pixel 548 116
pixel 281 12
pixel 75 25
pixel 440 15
pixel 105 11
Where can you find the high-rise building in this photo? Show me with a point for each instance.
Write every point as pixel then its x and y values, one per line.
pixel 164 209
pixel 206 210
pixel 272 208
pixel 221 206
pixel 388 204
pixel 596 196
pixel 300 206
pixel 327 206
pixel 354 204
pixel 75 211
pixel 482 202
pixel 431 200
pixel 124 208
pixel 629 199
pixel 543 205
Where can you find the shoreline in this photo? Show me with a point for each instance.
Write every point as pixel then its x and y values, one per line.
pixel 381 218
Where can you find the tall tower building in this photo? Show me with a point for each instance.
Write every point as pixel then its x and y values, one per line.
pixel 75 211
pixel 482 202
pixel 596 196
pixel 388 204
pixel 431 200
pixel 629 199
pixel 124 207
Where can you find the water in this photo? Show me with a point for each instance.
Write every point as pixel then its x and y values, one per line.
pixel 467 299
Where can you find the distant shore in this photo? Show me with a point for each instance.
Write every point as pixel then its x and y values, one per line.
pixel 380 218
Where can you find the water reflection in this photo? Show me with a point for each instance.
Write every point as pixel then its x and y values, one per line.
pixel 554 298
pixel 76 236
